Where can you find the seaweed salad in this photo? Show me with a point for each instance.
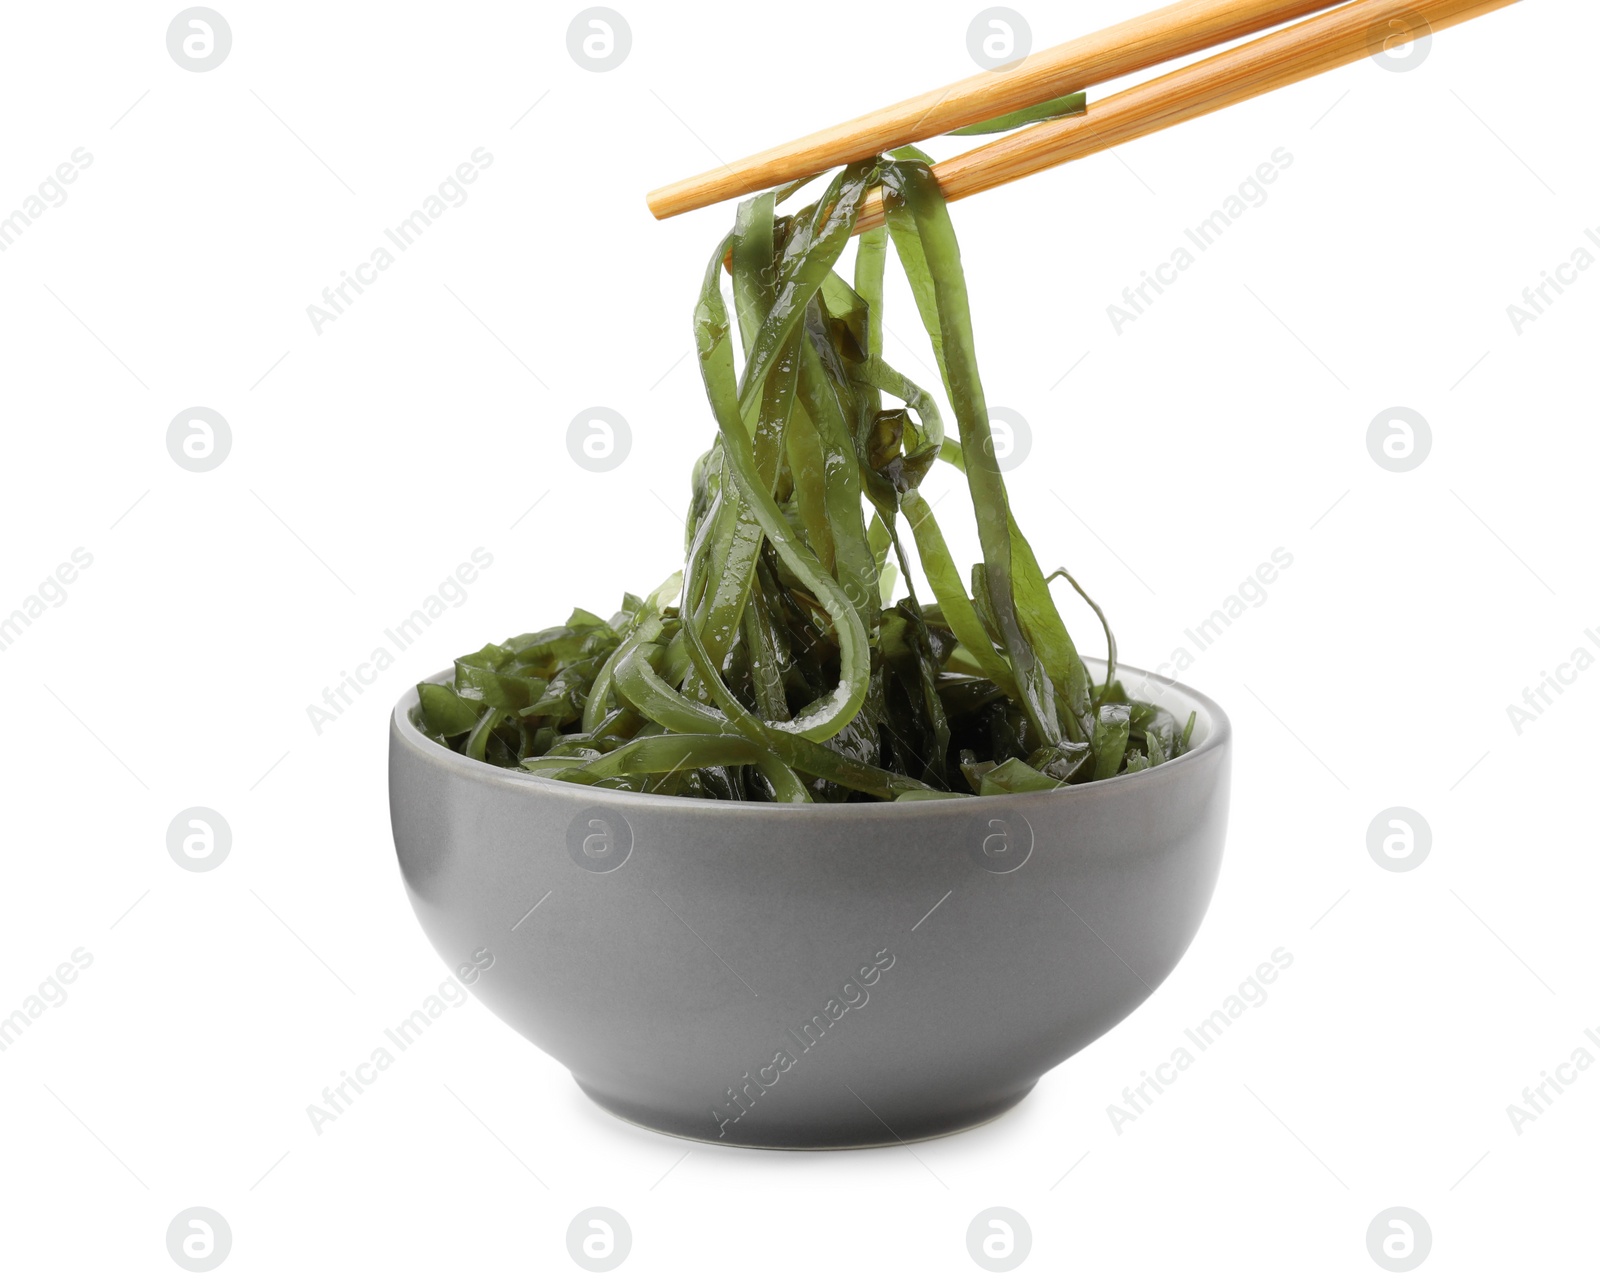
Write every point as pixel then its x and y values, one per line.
pixel 777 664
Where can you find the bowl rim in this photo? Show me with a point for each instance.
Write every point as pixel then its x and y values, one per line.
pixel 405 733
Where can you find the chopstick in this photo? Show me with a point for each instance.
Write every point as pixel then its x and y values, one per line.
pixel 1128 47
pixel 1309 48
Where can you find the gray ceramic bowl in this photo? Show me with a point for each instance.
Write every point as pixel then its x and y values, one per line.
pixel 811 975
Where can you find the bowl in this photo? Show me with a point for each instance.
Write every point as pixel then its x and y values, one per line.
pixel 811 976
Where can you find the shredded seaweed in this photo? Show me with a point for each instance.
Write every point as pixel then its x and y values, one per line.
pixel 777 665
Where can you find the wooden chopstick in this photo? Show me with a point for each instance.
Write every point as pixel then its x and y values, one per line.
pixel 1329 40
pixel 1128 47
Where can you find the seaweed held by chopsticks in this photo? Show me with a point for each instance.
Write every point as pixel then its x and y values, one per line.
pixel 774 666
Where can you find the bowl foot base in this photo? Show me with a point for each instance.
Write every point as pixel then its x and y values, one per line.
pixel 837 1133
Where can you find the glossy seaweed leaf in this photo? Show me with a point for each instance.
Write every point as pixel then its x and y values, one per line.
pixel 1073 104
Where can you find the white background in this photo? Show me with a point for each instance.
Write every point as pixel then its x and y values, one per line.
pixel 369 460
